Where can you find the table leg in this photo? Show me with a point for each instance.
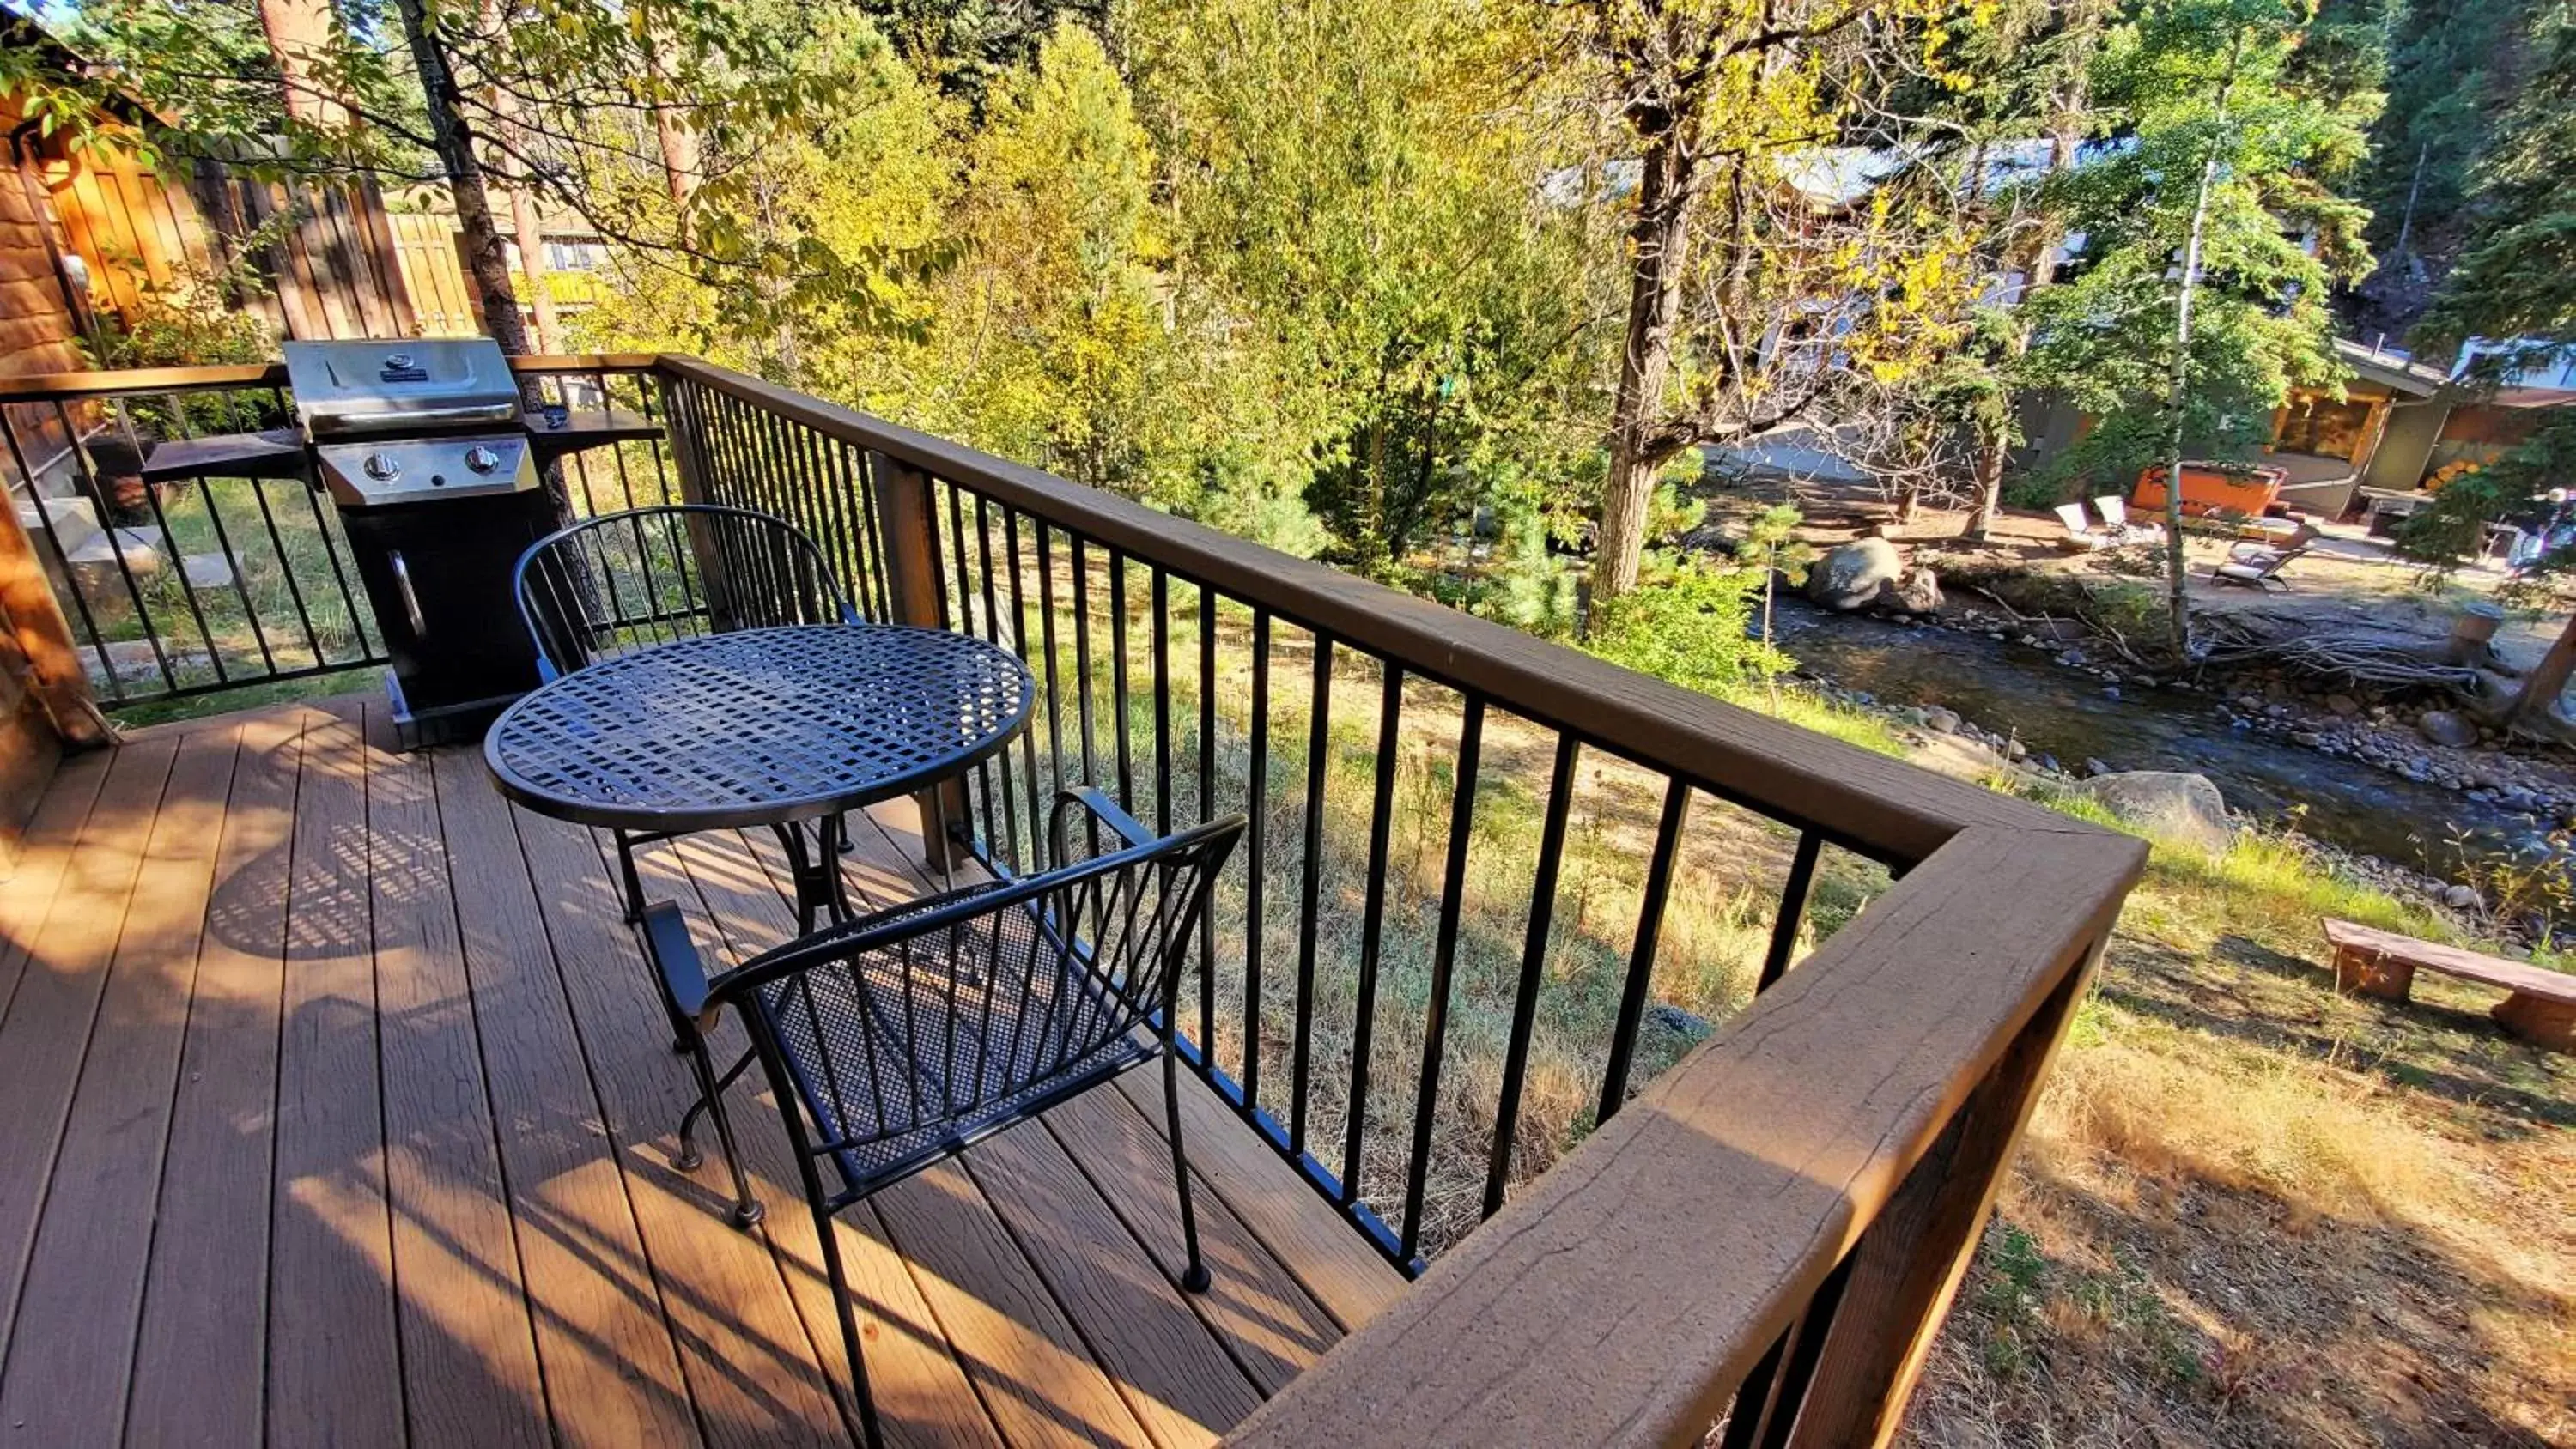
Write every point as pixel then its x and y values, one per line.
pixel 816 871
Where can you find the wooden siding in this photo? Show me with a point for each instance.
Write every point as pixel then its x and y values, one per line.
pixel 341 1113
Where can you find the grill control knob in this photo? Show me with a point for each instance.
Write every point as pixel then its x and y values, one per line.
pixel 381 467
pixel 482 460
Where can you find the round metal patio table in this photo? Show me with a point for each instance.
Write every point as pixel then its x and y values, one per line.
pixel 769 727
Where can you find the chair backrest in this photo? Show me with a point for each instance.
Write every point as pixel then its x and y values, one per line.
pixel 2072 515
pixel 2114 512
pixel 621 581
pixel 972 1005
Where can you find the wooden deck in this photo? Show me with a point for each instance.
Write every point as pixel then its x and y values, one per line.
pixel 338 1111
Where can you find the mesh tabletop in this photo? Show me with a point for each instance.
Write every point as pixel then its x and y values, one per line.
pixel 758 726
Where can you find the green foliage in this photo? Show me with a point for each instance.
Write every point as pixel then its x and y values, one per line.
pixel 1358 180
pixel 2260 324
pixel 1688 622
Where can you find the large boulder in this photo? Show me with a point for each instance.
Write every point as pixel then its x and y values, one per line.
pixel 1851 576
pixel 2170 805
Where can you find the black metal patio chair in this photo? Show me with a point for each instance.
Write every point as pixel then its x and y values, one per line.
pixel 900 1039
pixel 620 582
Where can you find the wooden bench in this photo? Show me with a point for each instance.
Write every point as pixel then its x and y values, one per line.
pixel 2541 1010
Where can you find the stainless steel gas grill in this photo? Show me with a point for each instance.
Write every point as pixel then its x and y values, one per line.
pixel 425 447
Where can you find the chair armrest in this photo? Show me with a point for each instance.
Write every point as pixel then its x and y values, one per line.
pixel 675 958
pixel 1106 811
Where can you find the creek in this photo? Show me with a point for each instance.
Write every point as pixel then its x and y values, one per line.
pixel 2014 689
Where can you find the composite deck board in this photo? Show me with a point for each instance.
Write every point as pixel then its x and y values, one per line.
pixel 197 1355
pixel 469 1352
pixel 47 1029
pixel 603 1340
pixel 65 1384
pixel 342 1111
pixel 334 1357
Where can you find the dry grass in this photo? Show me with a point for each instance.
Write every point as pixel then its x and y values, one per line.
pixel 2254 1212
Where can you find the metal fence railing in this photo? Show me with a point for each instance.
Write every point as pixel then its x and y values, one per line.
pixel 179 579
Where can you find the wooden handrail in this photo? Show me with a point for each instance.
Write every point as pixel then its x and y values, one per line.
pixel 1636 1283
pixel 1882 806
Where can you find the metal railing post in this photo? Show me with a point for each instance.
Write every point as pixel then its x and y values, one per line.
pixel 913 596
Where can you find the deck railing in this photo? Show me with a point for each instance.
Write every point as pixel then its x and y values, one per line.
pixel 1729 1029
pixel 215 578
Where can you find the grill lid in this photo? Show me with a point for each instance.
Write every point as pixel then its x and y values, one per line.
pixel 407 385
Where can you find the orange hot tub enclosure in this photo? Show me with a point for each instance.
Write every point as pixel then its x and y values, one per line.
pixel 2208 488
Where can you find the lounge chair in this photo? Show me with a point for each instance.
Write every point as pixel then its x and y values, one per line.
pixel 2080 534
pixel 2115 519
pixel 2256 567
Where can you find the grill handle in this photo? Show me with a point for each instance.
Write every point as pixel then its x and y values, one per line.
pixel 411 601
pixel 331 424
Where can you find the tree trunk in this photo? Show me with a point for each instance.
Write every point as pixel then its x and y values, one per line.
pixel 2178 383
pixel 532 265
pixel 452 136
pixel 2542 686
pixel 1990 489
pixel 524 220
pixel 299 33
pixel 1658 238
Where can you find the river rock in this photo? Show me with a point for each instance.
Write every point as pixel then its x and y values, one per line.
pixel 1941 721
pixel 1916 596
pixel 2461 898
pixel 1852 575
pixel 2343 704
pixel 2445 728
pixel 2171 805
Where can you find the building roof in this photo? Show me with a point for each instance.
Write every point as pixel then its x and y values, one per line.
pixel 2391 368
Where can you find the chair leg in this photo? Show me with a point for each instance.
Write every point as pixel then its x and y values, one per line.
pixel 711 1089
pixel 626 870
pixel 1195 1277
pixel 849 1313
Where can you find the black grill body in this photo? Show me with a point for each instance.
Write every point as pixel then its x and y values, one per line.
pixel 437 574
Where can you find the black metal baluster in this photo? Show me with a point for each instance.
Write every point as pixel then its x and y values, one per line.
pixel 1207 809
pixel 1372 924
pixel 1444 956
pixel 71 581
pixel 1805 1347
pixel 187 586
pixel 993 634
pixel 115 547
pixel 1641 960
pixel 965 624
pixel 241 578
pixel 1028 737
pixel 1046 631
pixel 1082 657
pixel 661 470
pixel 1542 917
pixel 1793 908
pixel 1256 792
pixel 357 614
pixel 286 568
pixel 1319 729
pixel 1118 674
pixel 1160 593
